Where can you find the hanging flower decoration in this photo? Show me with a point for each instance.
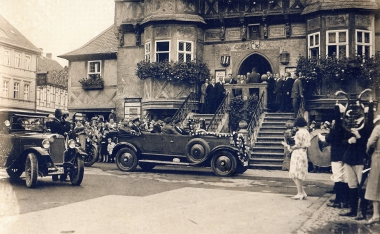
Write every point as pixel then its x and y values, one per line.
pixel 191 71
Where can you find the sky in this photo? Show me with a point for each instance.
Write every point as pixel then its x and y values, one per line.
pixel 59 26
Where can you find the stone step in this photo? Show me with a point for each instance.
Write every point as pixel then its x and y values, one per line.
pixel 271 134
pixel 270 139
pixel 281 119
pixel 268 144
pixel 268 149
pixel 275 161
pixel 273 124
pixel 277 155
pixel 265 166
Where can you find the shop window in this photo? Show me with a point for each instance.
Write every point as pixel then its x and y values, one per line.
pixel 26 91
pixel 185 51
pixel 147 52
pixel 7 58
pixel 337 43
pixel 6 88
pixel 16 90
pixel 363 43
pixel 313 44
pixel 17 60
pixel 162 51
pixel 94 67
pixel 28 60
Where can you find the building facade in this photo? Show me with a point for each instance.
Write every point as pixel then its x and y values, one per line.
pixel 18 67
pixel 51 85
pixel 231 37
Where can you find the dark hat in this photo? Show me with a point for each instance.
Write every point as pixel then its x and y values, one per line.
pixel 300 122
pixel 136 119
pixel 168 120
pixel 58 113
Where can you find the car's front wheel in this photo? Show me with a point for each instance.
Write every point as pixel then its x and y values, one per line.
pixel 126 159
pixel 223 163
pixel 15 172
pixel 92 156
pixel 77 173
pixel 31 170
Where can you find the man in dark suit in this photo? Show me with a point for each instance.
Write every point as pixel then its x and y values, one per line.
pixel 220 92
pixel 254 77
pixel 286 101
pixel 211 97
pixel 270 88
pixel 297 93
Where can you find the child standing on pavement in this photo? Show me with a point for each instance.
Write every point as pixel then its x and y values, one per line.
pixel 110 147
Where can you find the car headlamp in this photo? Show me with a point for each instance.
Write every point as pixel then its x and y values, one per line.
pixel 46 143
pixel 72 144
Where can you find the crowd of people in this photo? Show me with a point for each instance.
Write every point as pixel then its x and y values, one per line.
pixel 351 151
pixel 212 94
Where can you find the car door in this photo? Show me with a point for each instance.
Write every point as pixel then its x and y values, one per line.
pixel 151 143
pixel 9 149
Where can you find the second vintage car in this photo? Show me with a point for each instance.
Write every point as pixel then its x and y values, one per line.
pixel 27 145
pixel 225 153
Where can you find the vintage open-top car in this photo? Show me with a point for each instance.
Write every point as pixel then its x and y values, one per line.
pixel 27 145
pixel 225 153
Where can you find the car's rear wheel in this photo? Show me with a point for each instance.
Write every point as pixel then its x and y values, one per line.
pixel 197 150
pixel 126 159
pixel 31 170
pixel 146 166
pixel 77 173
pixel 15 172
pixel 223 163
pixel 92 156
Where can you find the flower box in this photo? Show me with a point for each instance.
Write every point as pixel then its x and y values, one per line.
pixel 93 86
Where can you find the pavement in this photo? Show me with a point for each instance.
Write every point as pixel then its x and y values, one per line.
pixel 195 209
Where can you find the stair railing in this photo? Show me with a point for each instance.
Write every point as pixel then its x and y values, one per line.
pixel 187 106
pixel 255 117
pixel 218 116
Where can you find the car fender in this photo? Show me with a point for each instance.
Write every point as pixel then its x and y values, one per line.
pixel 38 151
pixel 122 145
pixel 218 148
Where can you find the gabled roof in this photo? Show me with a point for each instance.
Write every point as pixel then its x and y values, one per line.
pixel 11 36
pixel 45 64
pixel 325 5
pixel 105 43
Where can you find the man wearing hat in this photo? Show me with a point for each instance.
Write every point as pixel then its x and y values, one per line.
pixel 135 125
pixel 168 128
pixel 56 125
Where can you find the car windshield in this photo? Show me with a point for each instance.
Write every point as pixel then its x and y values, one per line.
pixel 27 123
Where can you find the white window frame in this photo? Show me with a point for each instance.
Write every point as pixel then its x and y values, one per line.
pixel 161 52
pixel 16 89
pixel 28 61
pixel 148 49
pixel 337 43
pixel 363 43
pixel 98 70
pixel 26 91
pixel 7 58
pixel 184 52
pixel 315 41
pixel 17 60
pixel 6 88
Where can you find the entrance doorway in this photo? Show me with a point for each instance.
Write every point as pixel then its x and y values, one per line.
pixel 255 60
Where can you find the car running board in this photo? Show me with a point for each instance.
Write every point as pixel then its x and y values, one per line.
pixel 167 162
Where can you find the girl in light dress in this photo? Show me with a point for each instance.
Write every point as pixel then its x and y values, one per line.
pixel 298 162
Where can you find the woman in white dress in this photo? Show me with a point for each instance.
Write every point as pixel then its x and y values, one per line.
pixel 298 161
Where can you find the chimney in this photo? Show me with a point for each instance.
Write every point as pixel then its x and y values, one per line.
pixel 42 51
pixel 48 55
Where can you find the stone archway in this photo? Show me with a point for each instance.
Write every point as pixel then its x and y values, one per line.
pixel 255 60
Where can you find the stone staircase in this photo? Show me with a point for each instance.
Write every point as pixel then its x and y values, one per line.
pixel 268 152
pixel 206 117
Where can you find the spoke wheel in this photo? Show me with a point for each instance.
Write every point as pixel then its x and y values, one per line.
pixel 223 163
pixel 126 159
pixel 91 157
pixel 77 173
pixel 31 170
